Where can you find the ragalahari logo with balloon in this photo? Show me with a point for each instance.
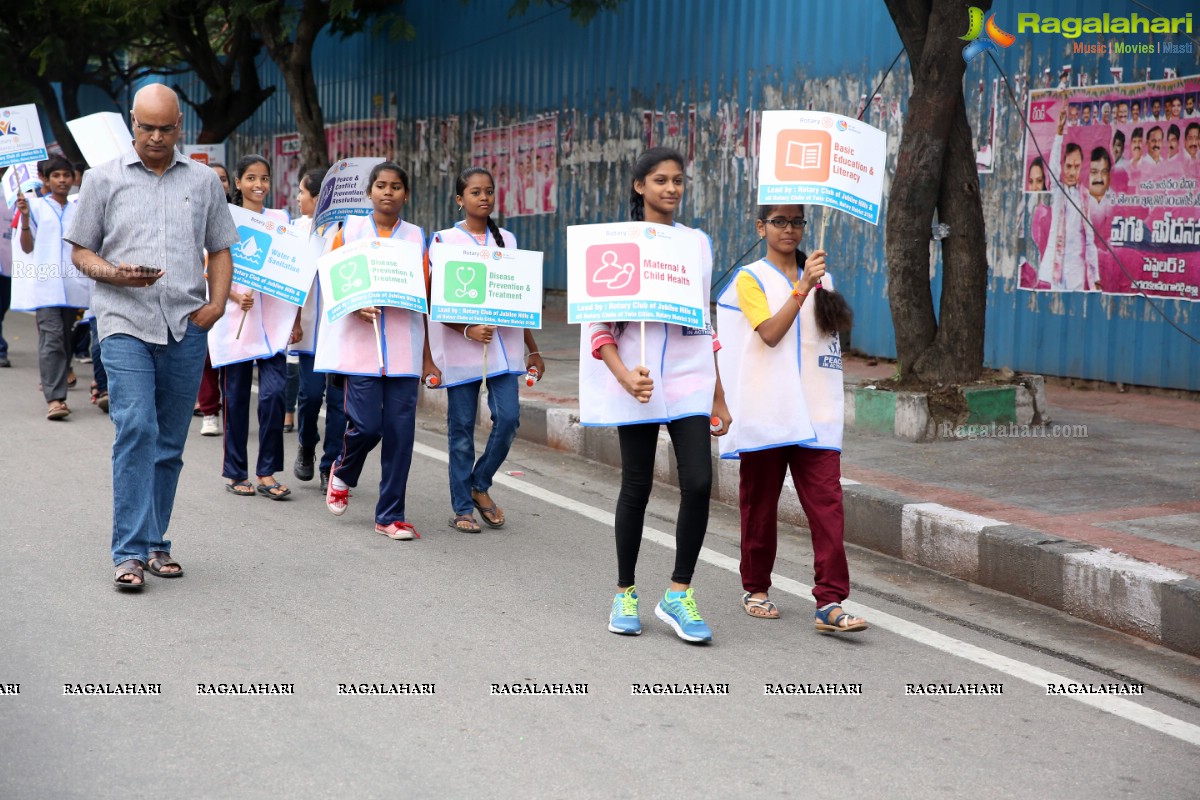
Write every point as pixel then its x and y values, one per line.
pixel 983 37
pixel 612 270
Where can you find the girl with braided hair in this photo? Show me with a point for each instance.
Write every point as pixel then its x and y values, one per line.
pixel 463 352
pixel 680 388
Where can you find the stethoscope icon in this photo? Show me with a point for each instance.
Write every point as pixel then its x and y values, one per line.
pixel 462 291
pixel 350 281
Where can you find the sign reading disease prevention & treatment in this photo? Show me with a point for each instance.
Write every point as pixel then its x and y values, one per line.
pixel 476 285
pixel 372 272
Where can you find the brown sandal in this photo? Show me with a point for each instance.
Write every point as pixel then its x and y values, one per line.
pixel 57 410
pixel 130 567
pixel 492 515
pixel 160 559
pixel 465 523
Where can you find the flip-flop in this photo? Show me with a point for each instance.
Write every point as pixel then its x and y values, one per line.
pixel 493 509
pixel 265 490
pixel 159 559
pixel 828 622
pixel 471 525
pixel 232 488
pixel 129 567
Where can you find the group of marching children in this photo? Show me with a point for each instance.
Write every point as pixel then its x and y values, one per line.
pixel 771 391
pixel 375 360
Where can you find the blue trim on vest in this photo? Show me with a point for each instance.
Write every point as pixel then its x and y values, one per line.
pixel 662 421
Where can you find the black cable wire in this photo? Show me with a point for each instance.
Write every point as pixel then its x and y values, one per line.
pixel 1053 173
pixel 717 284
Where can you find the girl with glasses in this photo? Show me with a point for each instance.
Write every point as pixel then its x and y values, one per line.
pixel 779 321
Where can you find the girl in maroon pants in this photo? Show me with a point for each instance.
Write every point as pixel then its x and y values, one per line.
pixel 779 321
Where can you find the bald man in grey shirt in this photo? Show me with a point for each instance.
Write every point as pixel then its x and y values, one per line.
pixel 140 230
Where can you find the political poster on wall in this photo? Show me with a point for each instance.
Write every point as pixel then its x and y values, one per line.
pixel 285 172
pixel 1127 219
pixel 523 160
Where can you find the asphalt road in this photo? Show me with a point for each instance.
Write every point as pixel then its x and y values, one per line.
pixel 284 593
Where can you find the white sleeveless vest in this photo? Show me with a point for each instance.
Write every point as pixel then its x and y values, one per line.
pixel 680 362
pixel 310 313
pixel 461 359
pixel 47 277
pixel 348 345
pixel 790 394
pixel 267 328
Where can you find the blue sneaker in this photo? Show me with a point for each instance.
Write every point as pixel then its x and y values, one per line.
pixel 624 616
pixel 678 609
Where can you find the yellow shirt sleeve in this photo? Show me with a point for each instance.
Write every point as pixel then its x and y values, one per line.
pixel 752 299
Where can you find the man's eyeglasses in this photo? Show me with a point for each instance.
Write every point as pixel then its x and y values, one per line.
pixel 165 130
pixel 798 223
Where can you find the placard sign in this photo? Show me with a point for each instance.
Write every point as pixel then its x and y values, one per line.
pixel 21 135
pixel 814 157
pixel 273 258
pixel 344 192
pixel 485 285
pixel 372 272
pixel 633 272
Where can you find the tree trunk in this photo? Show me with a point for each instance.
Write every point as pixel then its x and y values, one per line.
pixel 58 124
pixel 294 59
pixel 932 173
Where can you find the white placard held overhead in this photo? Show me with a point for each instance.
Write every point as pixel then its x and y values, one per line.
pixel 101 137
pixel 819 158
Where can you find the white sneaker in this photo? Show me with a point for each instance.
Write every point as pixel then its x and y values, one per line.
pixel 209 426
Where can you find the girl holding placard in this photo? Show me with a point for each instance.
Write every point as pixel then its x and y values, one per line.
pixel 679 388
pixel 255 329
pixel 779 319
pixel 465 354
pixel 383 354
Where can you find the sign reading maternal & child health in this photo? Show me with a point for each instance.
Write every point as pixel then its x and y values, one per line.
pixel 372 272
pixel 344 192
pixel 814 157
pixel 634 272
pixel 20 135
pixel 273 258
pixel 485 285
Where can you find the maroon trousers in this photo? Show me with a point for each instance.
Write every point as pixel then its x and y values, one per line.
pixel 816 475
pixel 210 391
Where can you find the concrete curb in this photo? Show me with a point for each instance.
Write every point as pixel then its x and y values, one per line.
pixel 1107 588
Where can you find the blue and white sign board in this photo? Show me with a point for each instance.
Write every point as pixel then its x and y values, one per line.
pixel 818 158
pixel 476 285
pixel 344 192
pixel 20 135
pixel 101 137
pixel 372 272
pixel 274 258
pixel 20 178
pixel 634 272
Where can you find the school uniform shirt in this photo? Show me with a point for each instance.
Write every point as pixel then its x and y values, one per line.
pixel 47 278
pixel 680 362
pixel 790 394
pixel 268 324
pixel 348 346
pixel 461 360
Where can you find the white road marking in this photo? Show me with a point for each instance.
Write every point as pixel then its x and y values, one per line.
pixel 1147 717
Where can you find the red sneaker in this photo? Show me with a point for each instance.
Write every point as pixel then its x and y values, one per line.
pixel 398 530
pixel 337 500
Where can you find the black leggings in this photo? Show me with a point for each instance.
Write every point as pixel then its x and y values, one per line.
pixel 691 439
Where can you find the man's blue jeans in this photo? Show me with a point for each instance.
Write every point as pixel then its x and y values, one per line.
pixel 152 389
pixel 463 401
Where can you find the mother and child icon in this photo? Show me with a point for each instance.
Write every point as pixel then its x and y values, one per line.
pixel 615 272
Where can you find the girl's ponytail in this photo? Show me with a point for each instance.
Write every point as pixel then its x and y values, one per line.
pixel 237 196
pixel 832 312
pixel 495 229
pixel 637 206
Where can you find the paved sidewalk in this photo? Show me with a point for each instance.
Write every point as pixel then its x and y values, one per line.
pixel 1099 517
